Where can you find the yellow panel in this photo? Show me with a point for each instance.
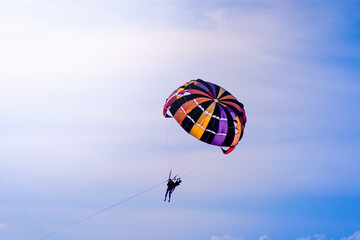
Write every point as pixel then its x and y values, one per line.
pixel 227 97
pixel 221 91
pixel 203 120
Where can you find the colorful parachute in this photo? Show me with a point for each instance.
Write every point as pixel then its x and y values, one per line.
pixel 207 112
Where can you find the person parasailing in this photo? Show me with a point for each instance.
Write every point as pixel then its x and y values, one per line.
pixel 209 113
pixel 171 185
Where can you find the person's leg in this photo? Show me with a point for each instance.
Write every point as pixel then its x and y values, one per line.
pixel 167 191
pixel 170 195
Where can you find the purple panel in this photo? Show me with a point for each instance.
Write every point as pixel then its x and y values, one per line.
pixel 212 88
pixel 209 87
pixel 232 113
pixel 203 87
pixel 223 128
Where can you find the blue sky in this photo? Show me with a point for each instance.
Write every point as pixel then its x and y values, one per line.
pixel 82 85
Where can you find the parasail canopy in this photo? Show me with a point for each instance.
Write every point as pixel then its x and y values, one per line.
pixel 207 112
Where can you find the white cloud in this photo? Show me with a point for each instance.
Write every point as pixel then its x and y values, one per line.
pixel 315 237
pixel 319 236
pixel 355 236
pixel 264 237
pixel 225 237
pixel 229 237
